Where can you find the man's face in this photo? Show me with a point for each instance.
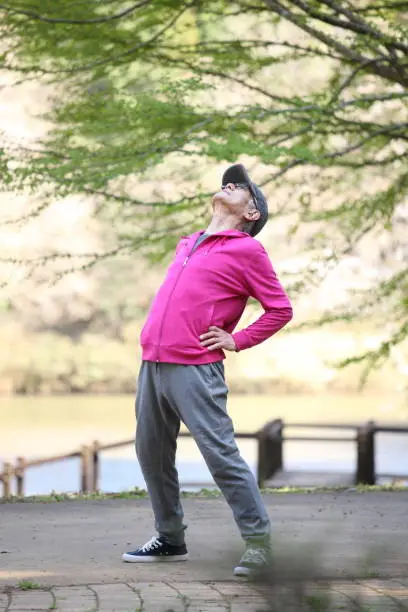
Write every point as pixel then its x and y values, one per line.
pixel 237 199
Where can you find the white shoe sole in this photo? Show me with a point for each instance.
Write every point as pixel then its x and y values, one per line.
pixel 242 572
pixel 164 559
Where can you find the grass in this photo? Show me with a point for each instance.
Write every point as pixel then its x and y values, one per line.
pixel 64 497
pixel 202 493
pixel 337 489
pixel 318 603
pixel 27 585
pixel 323 603
pixel 372 574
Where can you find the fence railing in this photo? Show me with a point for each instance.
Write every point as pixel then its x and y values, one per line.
pixel 270 439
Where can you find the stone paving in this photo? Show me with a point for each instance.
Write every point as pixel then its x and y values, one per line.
pixel 367 595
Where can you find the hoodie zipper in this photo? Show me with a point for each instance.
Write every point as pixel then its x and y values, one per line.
pixel 165 313
pixel 185 262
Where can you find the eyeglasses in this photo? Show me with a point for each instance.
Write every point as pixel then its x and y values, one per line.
pixel 247 188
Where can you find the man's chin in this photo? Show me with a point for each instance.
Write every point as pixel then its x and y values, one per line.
pixel 220 198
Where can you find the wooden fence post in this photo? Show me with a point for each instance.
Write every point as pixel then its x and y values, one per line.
pixel 365 473
pixel 20 473
pixel 7 476
pixel 270 450
pixel 95 466
pixel 85 469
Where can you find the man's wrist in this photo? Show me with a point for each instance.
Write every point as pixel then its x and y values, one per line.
pixel 236 342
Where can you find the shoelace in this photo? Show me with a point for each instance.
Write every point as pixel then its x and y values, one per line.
pixel 152 544
pixel 256 556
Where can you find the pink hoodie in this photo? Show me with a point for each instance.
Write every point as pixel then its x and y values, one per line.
pixel 212 288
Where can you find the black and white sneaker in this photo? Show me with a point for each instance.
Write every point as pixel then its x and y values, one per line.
pixel 156 550
pixel 254 562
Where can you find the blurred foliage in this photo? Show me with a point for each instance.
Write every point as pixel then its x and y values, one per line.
pixel 142 89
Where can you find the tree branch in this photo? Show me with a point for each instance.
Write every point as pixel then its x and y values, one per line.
pixel 371 162
pixel 351 76
pixel 248 43
pixel 113 58
pixel 222 75
pixel 382 131
pixel 33 15
pixel 375 356
pixel 355 21
pixel 340 106
pixel 403 4
pixel 341 153
pixel 346 52
pixel 281 10
pixel 325 18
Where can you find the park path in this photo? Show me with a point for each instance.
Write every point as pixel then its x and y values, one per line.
pixel 66 556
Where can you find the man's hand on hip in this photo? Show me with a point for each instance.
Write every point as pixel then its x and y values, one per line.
pixel 217 338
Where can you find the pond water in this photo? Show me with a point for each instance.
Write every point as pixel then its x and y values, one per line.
pixel 44 426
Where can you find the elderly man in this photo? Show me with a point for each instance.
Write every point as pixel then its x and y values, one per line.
pixel 189 326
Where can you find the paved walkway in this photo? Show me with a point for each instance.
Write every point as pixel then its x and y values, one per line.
pixel 71 550
pixel 389 596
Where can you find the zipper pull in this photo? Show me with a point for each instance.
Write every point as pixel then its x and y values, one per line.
pixel 185 261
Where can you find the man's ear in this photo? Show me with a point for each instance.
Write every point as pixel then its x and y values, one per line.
pixel 252 215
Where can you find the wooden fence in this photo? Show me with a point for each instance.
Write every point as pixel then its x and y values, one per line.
pixel 270 441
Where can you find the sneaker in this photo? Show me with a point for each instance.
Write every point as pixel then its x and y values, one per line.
pixel 156 549
pixel 254 562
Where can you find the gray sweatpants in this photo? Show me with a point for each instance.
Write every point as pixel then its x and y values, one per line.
pixel 197 395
